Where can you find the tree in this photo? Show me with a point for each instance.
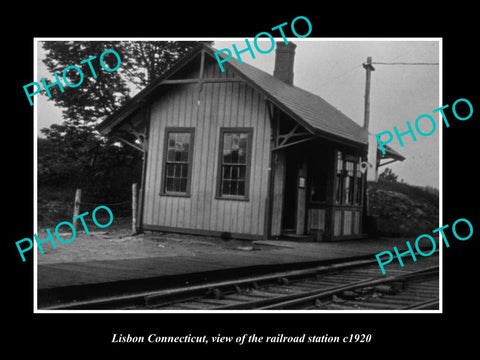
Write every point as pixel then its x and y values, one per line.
pixel 73 157
pixel 94 98
pixel 141 63
pixel 147 60
pixel 387 175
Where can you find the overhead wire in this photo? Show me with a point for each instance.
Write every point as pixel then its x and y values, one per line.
pixel 404 63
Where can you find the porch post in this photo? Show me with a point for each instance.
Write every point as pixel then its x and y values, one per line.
pixel 301 198
pixel 278 191
pixel 141 194
pixel 331 187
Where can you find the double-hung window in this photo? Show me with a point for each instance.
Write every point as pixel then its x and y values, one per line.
pixel 177 169
pixel 339 179
pixel 234 163
pixel 358 185
pixel 348 180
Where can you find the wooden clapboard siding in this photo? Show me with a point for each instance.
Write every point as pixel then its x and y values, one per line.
pixel 337 227
pixel 226 104
pixel 347 222
pixel 356 223
pixel 212 70
pixel 316 219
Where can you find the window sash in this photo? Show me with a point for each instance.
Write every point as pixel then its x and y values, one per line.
pixel 233 180
pixel 349 180
pixel 358 185
pixel 234 163
pixel 339 178
pixel 177 162
pixel 349 183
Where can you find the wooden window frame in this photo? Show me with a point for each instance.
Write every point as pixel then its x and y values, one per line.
pixel 355 186
pixel 339 179
pixel 249 132
pixel 168 130
pixel 349 191
pixel 359 183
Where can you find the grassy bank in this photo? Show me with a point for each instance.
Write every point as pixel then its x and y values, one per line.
pixel 400 209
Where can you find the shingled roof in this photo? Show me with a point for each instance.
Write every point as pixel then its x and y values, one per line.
pixel 310 110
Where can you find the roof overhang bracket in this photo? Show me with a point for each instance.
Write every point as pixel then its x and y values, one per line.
pixel 128 132
pixel 134 145
pixel 296 135
pixel 387 162
pixel 279 147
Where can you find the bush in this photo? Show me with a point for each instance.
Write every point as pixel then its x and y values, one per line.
pixel 401 209
pixel 414 192
pixel 73 157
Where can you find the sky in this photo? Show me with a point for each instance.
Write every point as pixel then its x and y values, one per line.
pixel 332 69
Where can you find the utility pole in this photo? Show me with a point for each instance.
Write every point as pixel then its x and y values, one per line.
pixel 369 68
pixel 372 143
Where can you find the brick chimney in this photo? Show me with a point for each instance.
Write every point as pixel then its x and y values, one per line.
pixel 284 57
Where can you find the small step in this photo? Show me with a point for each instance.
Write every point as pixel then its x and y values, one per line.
pixel 287 235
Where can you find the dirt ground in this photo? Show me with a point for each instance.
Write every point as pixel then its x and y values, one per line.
pixel 119 243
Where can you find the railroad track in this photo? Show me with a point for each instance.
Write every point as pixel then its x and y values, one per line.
pixel 354 285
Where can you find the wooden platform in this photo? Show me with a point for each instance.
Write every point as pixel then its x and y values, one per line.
pixel 119 275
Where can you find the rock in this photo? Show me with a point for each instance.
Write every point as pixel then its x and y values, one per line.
pixel 319 304
pixel 385 289
pixel 217 294
pixel 348 294
pixel 93 233
pixel 363 291
pixel 245 248
pixel 397 286
pixel 337 299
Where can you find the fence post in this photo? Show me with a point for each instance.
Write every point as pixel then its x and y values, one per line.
pixel 76 206
pixel 134 207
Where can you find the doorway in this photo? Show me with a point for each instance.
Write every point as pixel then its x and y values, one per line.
pixel 289 218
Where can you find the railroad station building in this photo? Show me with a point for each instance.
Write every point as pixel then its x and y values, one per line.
pixel 243 153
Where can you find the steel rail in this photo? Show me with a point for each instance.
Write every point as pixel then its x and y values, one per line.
pixel 147 298
pixel 177 295
pixel 283 301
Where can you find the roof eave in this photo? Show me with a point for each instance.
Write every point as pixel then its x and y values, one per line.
pixel 342 140
pixel 390 153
